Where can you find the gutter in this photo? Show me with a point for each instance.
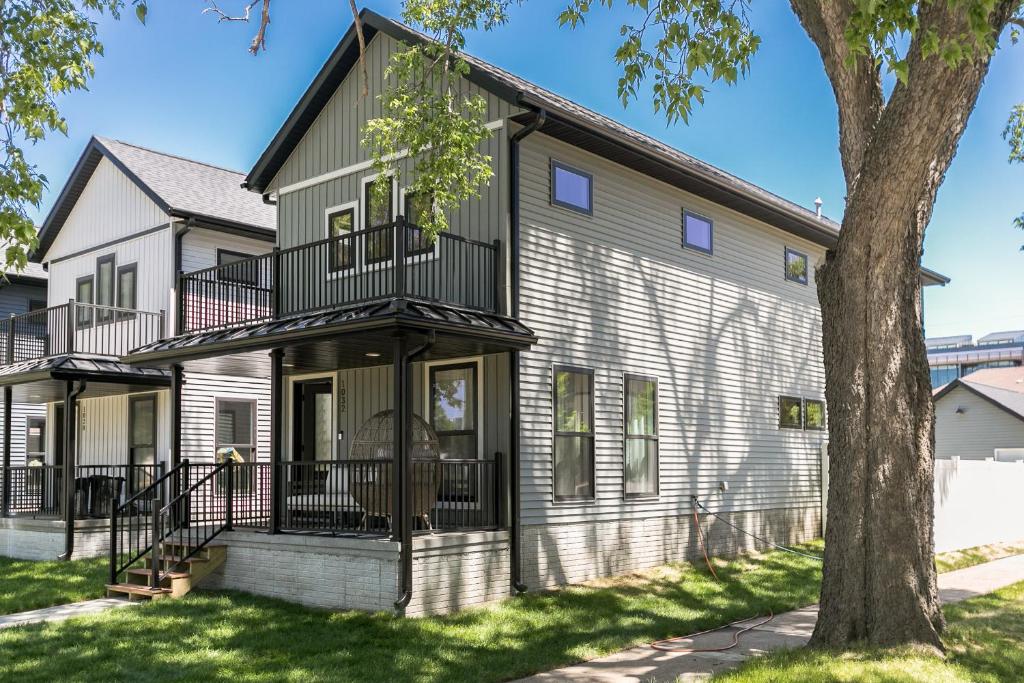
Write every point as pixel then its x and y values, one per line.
pixel 70 445
pixel 515 531
pixel 406 527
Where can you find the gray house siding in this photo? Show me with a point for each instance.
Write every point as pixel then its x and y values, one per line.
pixel 14 300
pixel 725 335
pixel 975 433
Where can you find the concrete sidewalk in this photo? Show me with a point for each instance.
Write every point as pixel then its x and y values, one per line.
pixel 62 612
pixel 789 630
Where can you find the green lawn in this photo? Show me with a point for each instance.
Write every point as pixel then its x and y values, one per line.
pixel 959 559
pixel 26 585
pixel 242 637
pixel 984 641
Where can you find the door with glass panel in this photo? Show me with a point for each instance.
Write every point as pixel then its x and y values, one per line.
pixel 454 415
pixel 312 435
pixel 141 441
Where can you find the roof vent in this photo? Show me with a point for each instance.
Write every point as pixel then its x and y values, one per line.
pixel 817 206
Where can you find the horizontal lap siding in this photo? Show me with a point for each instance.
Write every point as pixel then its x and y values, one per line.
pixel 20 413
pixel 199 409
pixel 199 248
pixel 725 334
pixel 978 431
pixel 103 430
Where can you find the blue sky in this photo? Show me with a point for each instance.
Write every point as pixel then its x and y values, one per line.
pixel 185 84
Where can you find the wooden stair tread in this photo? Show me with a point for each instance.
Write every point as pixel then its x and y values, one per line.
pixel 163 575
pixel 178 558
pixel 138 590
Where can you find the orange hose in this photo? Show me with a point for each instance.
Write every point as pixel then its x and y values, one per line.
pixel 703 545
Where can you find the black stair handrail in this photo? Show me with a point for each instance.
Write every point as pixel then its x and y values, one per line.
pixel 137 531
pixel 176 517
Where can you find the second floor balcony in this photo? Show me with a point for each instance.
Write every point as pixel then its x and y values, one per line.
pixel 77 328
pixel 354 268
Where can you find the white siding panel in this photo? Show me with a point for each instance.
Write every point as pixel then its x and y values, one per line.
pixel 103 430
pixel 198 412
pixel 110 207
pixel 725 335
pixel 978 431
pixel 153 255
pixel 20 412
pixel 199 248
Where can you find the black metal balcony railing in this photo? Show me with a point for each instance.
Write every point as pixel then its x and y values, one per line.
pixel 38 490
pixel 357 267
pixel 76 327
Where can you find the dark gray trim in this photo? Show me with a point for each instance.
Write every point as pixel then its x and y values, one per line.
pixel 555 433
pixel 785 266
pixel 711 224
pixel 555 164
pixel 626 377
pixel 242 256
pixel 104 317
pixel 800 402
pixel 132 267
pixel 475 432
pixel 112 243
pixel 132 401
pixel 80 320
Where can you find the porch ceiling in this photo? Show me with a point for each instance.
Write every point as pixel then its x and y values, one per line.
pixel 42 380
pixel 339 339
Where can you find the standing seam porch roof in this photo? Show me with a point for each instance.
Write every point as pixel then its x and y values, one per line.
pixel 566 118
pixel 181 187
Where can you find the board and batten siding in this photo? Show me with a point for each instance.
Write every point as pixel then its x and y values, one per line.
pixel 111 207
pixel 725 335
pixel 978 431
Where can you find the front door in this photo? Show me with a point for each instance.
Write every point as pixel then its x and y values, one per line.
pixel 141 441
pixel 313 429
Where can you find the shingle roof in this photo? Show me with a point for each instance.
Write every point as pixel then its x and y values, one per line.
pixel 1001 386
pixel 181 187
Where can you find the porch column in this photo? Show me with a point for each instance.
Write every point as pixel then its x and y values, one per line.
pixel 70 456
pixel 177 381
pixel 515 541
pixel 6 497
pixel 276 436
pixel 398 472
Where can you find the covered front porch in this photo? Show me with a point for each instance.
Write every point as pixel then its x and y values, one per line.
pixel 390 421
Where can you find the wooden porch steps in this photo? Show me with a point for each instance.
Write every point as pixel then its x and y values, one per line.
pixel 177 576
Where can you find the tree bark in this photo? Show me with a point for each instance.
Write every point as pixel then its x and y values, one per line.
pixel 879 583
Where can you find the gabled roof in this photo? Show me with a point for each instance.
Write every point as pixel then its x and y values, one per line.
pixel 566 120
pixel 1002 387
pixel 181 187
pixel 31 274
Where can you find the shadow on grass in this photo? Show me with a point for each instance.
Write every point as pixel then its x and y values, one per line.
pixel 236 636
pixel 27 585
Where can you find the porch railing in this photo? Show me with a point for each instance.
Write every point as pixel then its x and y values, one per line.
pixel 77 327
pixel 353 268
pixel 38 490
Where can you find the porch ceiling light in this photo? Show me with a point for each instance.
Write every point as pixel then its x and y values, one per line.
pixel 372 354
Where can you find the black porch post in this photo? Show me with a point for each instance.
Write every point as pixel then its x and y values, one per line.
pixel 401 505
pixel 70 441
pixel 276 436
pixel 177 381
pixel 6 502
pixel 515 540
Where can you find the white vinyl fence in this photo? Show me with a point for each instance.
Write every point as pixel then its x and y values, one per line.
pixel 977 502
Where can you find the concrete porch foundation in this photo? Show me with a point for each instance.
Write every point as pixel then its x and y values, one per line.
pixel 24 538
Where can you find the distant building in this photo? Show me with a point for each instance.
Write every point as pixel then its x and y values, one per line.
pixel 953 357
pixel 981 416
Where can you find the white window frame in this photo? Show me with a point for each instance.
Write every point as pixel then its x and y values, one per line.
pixel 425 257
pixel 364 181
pixel 356 257
pixel 255 403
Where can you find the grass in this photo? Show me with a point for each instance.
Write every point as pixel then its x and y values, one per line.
pixel 961 559
pixel 984 639
pixel 242 637
pixel 27 585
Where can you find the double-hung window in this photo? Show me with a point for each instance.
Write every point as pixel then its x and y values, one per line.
pixel 105 284
pixel 127 279
pixel 378 210
pixel 573 398
pixel 641 435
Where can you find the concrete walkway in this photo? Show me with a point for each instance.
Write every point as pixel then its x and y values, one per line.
pixel 62 612
pixel 789 630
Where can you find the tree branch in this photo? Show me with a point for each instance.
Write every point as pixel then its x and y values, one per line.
pixel 856 80
pixel 223 16
pixel 362 46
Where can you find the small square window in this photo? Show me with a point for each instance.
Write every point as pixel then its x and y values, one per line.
pixel 698 232
pixel 571 188
pixel 814 414
pixel 790 412
pixel 796 266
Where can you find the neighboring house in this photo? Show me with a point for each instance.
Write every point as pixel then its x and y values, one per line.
pixel 612 328
pixel 981 416
pixel 127 221
pixel 23 292
pixel 953 357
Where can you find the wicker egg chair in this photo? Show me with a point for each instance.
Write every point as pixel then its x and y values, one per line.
pixel 371 484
